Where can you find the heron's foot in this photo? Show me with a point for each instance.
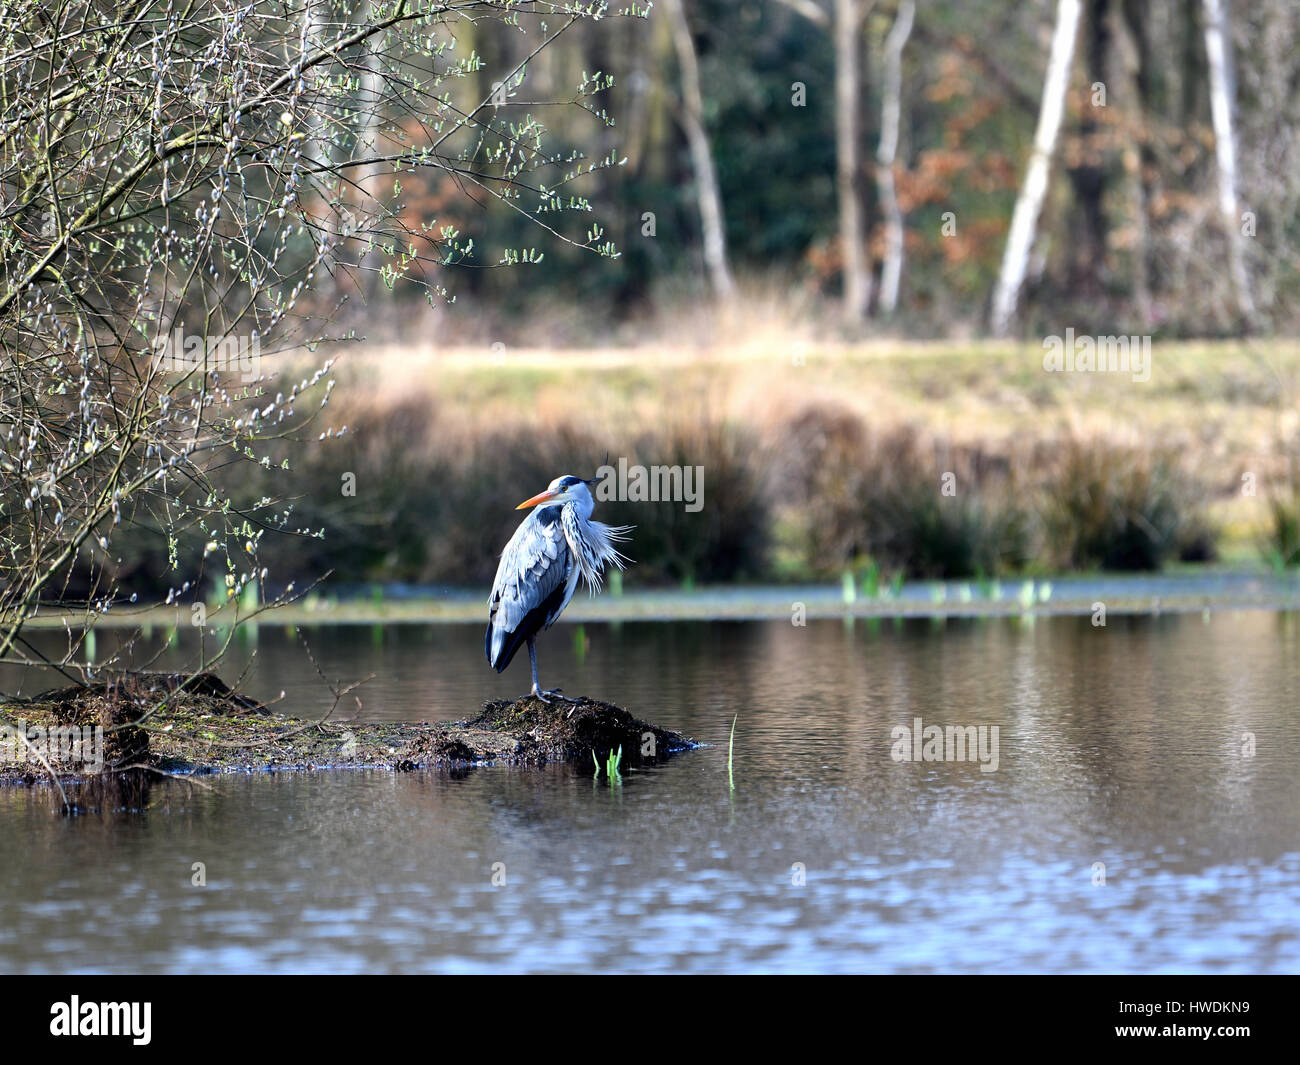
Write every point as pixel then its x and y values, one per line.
pixel 542 693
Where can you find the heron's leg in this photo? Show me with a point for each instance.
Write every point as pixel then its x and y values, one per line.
pixel 532 661
pixel 537 689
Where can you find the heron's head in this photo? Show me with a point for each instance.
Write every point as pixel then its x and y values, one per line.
pixel 566 489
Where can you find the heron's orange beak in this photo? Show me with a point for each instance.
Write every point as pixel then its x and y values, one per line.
pixel 540 498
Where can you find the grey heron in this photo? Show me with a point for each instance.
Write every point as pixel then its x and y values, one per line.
pixel 539 569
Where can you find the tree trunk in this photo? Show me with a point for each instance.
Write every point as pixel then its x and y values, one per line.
pixel 706 179
pixel 1217 52
pixel 848 155
pixel 892 270
pixel 368 177
pixel 1140 160
pixel 1089 177
pixel 1029 203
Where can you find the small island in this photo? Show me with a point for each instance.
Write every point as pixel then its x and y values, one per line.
pixel 166 724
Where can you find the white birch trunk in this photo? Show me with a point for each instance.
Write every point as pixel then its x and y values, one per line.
pixel 706 178
pixel 848 168
pixel 368 191
pixel 892 270
pixel 1029 203
pixel 1225 150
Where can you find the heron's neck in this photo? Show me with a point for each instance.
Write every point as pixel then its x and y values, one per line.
pixel 581 508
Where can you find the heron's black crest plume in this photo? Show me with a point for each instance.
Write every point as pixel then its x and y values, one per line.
pixel 599 476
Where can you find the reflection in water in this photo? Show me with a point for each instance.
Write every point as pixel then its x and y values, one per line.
pixel 1121 756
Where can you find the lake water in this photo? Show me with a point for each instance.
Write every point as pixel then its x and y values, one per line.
pixel 1126 747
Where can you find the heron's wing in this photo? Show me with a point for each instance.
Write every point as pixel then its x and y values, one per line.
pixel 534 583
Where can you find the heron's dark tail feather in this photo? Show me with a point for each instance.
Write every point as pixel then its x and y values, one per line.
pixel 507 651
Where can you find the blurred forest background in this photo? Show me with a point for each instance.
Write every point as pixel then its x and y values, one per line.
pixel 763 139
pixel 788 95
pixel 824 240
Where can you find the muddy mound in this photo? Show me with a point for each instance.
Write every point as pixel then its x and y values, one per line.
pixel 172 724
pixel 564 732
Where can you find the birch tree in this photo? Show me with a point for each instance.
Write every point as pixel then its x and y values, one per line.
pixel 706 178
pixel 845 27
pixel 1219 56
pixel 892 269
pixel 849 17
pixel 1033 190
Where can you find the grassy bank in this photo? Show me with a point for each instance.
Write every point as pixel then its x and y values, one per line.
pixel 884 460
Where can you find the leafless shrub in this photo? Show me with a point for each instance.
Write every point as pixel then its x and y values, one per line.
pixel 177 184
